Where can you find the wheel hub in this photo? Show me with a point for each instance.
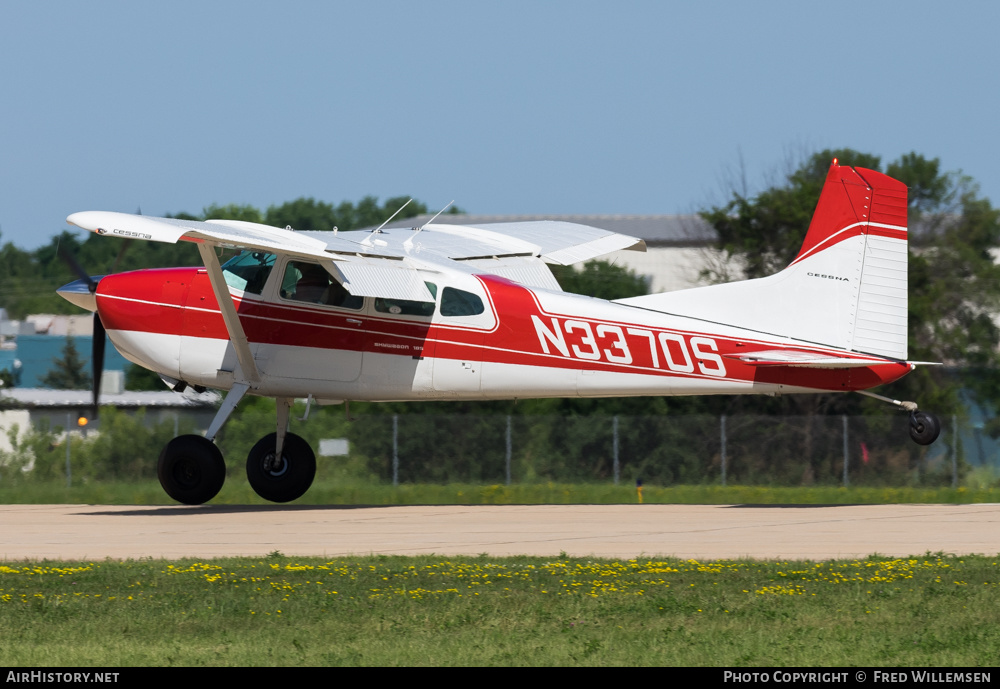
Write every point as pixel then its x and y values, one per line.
pixel 186 472
pixel 273 466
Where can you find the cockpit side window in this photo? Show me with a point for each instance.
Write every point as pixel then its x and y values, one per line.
pixel 406 307
pixel 248 271
pixel 310 282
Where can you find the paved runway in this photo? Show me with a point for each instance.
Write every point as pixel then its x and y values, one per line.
pixel 77 532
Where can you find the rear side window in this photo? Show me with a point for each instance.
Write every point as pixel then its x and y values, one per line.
pixel 405 307
pixel 456 302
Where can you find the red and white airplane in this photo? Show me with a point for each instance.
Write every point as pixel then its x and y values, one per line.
pixel 444 312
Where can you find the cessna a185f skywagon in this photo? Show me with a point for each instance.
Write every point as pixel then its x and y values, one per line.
pixel 444 312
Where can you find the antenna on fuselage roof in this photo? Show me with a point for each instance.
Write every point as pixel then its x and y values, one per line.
pixel 367 241
pixel 435 216
pixel 416 230
pixel 379 228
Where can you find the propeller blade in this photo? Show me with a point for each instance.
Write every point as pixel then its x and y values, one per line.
pixel 70 260
pixel 97 359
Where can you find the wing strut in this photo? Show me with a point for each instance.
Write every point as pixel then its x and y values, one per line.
pixel 236 335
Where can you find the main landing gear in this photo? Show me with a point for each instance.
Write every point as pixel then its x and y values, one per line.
pixel 284 479
pixel 924 426
pixel 280 467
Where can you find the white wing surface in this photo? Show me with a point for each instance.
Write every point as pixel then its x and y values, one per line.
pixel 384 263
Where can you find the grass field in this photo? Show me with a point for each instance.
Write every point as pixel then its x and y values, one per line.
pixel 920 611
pixel 237 491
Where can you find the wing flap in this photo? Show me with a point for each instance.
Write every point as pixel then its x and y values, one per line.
pixel 592 249
pixel 565 243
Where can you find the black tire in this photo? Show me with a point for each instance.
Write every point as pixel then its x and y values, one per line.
pixel 292 478
pixel 924 428
pixel 191 469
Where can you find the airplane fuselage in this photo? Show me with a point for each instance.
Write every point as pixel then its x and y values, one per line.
pixel 522 343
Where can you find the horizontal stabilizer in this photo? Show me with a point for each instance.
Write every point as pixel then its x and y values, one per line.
pixel 799 359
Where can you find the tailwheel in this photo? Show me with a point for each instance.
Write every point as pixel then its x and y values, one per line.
pixel 191 469
pixel 924 428
pixel 281 479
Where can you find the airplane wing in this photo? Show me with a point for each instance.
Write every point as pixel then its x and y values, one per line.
pixel 384 263
pixel 388 278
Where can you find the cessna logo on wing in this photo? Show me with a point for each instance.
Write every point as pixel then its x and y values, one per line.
pixel 129 233
pixel 828 277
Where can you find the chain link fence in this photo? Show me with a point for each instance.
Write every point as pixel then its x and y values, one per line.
pixel 499 449
pixel 748 450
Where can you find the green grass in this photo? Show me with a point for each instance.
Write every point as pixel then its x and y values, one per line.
pixel 354 492
pixel 923 611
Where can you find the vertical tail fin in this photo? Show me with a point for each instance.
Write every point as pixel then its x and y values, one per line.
pixel 846 288
pixel 864 204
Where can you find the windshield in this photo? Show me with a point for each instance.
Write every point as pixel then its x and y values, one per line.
pixel 248 271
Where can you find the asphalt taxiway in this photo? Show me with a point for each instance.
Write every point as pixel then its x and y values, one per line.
pixel 82 532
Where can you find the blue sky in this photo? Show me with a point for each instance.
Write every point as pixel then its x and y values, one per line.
pixel 507 107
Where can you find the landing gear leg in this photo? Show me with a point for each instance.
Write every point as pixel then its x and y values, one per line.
pixel 924 426
pixel 281 466
pixel 191 469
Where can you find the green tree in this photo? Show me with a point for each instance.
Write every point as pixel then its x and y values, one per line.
pixel 311 215
pixel 601 279
pixel 232 211
pixel 303 214
pixel 68 372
